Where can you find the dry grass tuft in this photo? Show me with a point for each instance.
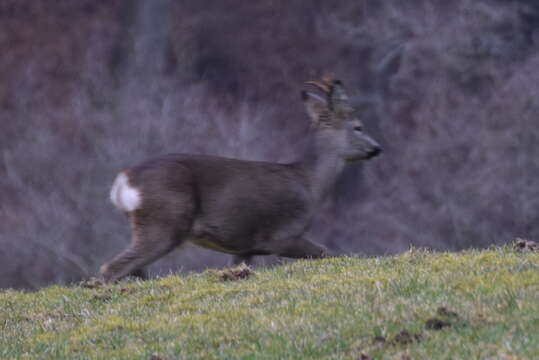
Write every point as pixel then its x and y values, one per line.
pixel 92 283
pixel 237 273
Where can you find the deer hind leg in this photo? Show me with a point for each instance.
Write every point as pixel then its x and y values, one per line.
pixel 147 245
pixel 153 236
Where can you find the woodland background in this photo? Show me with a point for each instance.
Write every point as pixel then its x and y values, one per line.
pixel 88 87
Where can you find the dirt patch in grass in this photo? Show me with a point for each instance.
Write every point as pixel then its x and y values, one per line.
pixel 236 273
pixel 406 338
pixel 445 318
pixel 157 357
pixel 92 283
pixel 522 245
pixel 377 340
pixel 443 311
pixel 436 324
pixel 126 291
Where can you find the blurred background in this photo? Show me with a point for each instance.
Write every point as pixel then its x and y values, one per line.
pixel 89 87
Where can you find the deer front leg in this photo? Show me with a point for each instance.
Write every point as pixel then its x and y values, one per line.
pixel 300 248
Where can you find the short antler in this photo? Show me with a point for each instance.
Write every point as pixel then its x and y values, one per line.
pixel 333 89
pixel 325 85
pixel 325 88
pixel 339 98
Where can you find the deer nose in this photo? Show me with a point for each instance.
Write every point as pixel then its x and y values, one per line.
pixel 375 151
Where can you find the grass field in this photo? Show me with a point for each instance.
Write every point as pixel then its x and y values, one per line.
pixel 418 305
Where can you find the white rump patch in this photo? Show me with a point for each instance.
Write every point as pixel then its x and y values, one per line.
pixel 123 195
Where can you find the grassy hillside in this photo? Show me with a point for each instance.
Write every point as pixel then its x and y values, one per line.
pixel 419 305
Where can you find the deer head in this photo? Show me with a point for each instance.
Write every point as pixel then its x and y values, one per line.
pixel 335 120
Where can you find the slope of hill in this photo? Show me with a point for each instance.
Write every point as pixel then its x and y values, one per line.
pixel 418 305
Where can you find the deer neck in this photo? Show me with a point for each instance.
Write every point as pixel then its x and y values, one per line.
pixel 322 164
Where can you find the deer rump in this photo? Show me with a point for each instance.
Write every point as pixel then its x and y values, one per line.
pixel 233 206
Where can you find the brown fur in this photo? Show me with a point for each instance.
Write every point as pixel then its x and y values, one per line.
pixel 242 207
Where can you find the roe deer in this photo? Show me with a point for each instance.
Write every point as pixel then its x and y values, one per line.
pixel 234 206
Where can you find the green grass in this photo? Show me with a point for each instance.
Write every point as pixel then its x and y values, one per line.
pixel 327 309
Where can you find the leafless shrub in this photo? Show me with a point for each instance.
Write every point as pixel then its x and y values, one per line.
pixel 86 91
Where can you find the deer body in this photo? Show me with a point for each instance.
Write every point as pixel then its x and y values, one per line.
pixel 234 206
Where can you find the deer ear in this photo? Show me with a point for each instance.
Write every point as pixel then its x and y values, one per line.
pixel 316 106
